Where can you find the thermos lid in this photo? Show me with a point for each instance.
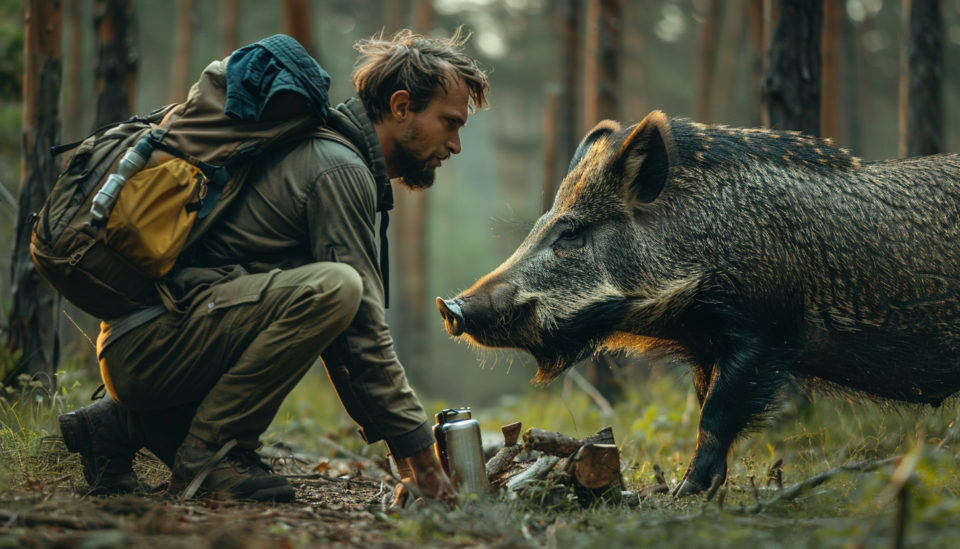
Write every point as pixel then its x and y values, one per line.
pixel 449 415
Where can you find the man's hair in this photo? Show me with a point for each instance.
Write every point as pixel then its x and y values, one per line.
pixel 419 65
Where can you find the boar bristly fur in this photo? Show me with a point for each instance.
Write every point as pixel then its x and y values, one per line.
pixel 760 257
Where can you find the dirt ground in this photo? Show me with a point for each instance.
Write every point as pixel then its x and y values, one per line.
pixel 329 511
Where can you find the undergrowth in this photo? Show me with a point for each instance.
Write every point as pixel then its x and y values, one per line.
pixel 654 424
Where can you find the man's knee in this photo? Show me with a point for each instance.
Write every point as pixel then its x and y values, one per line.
pixel 338 290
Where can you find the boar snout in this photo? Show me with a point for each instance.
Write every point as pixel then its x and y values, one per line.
pixel 482 312
pixel 452 313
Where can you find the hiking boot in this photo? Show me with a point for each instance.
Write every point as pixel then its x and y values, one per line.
pixel 106 451
pixel 237 474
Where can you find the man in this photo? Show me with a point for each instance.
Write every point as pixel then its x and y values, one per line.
pixel 288 273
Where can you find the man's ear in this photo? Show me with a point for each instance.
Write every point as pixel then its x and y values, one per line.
pixel 400 105
pixel 602 129
pixel 645 158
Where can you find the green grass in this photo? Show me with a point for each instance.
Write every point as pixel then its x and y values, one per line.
pixel 31 453
pixel 654 424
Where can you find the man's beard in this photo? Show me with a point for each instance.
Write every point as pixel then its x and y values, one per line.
pixel 415 175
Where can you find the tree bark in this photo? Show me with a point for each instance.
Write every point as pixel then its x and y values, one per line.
pixel 792 85
pixel 830 85
pixel 769 15
pixel 411 211
pixel 729 50
pixel 755 8
pixel 608 62
pixel 590 66
pixel 922 108
pixel 550 115
pixel 74 81
pixel 298 22
pixel 567 129
pixel 182 47
pixel 116 75
pixel 709 37
pixel 550 443
pixel 602 102
pixel 34 320
pixel 229 26
pixel 851 89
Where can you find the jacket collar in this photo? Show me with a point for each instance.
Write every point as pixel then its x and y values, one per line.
pixel 350 120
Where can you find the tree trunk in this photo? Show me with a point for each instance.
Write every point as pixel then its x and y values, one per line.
pixel 632 103
pixel 770 12
pixel 411 212
pixel 74 79
pixel 830 87
pixel 298 22
pixel 921 110
pixel 792 84
pixel 117 60
pixel 709 37
pixel 755 8
pixel 549 152
pixel 35 315
pixel 182 48
pixel 601 101
pixel 569 104
pixel 729 50
pixel 608 62
pixel 229 26
pixel 851 89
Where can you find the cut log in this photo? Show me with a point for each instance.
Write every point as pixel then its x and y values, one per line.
pixel 537 471
pixel 595 465
pixel 502 460
pixel 603 436
pixel 511 433
pixel 550 443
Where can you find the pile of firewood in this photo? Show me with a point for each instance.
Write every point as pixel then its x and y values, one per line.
pixel 559 464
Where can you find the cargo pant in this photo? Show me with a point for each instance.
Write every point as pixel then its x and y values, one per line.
pixel 221 369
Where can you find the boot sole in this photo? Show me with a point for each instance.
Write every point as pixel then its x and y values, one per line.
pixel 278 494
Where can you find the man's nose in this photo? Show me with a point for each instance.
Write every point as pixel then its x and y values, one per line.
pixel 454 144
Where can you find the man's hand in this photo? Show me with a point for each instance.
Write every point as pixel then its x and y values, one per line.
pixel 424 471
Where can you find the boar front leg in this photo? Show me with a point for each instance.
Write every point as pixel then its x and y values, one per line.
pixel 741 390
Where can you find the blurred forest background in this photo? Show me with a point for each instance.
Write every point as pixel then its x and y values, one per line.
pixel 556 67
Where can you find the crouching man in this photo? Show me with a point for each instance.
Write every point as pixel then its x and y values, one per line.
pixel 288 273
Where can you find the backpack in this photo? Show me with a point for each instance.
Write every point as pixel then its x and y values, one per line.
pixel 136 194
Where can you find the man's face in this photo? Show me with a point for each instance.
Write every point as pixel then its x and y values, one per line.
pixel 431 136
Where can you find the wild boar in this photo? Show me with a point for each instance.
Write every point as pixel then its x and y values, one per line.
pixel 761 258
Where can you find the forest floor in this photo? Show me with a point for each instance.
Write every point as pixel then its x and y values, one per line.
pixel 343 493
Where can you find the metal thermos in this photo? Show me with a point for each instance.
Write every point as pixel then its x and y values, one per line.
pixel 461 451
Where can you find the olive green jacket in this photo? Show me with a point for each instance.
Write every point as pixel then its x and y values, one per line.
pixel 311 201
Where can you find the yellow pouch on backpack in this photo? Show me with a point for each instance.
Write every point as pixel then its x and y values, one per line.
pixel 150 221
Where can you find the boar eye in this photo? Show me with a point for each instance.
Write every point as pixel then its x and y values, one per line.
pixel 570 238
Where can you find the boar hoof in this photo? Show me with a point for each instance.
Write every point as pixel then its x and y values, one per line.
pixel 687 488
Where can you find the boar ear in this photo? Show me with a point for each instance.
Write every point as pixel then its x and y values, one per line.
pixel 602 129
pixel 645 158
